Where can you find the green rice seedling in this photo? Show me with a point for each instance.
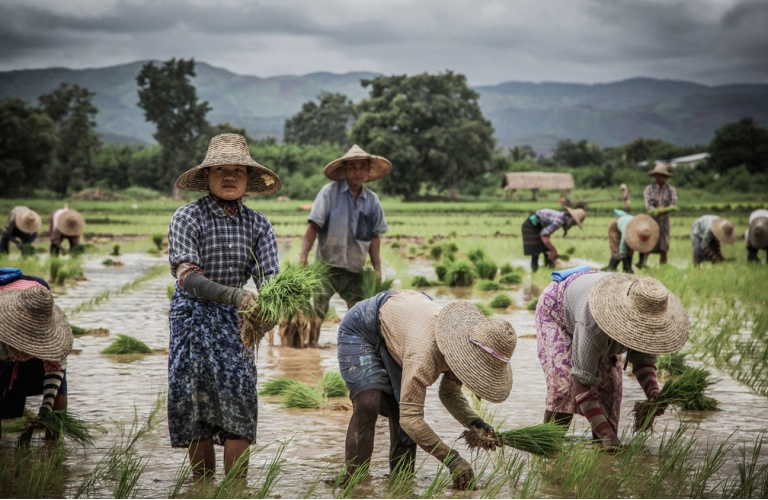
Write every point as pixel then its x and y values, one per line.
pixel 332 385
pixel 130 470
pixel 752 478
pixel 182 475
pixel 421 282
pixel 28 250
pixel 488 286
pixel 439 484
pixel 570 250
pixel 436 252
pixel 372 284
pixel 271 472
pixel 93 302
pixel 400 483
pixel 486 268
pixel 60 423
pixel 671 364
pixel 348 483
pixel 701 474
pixel 277 386
pixel 532 304
pixel 506 268
pixel 300 395
pixel 513 278
pixel 685 391
pixel 320 478
pixel 460 273
pixel 284 297
pixel 40 474
pixel 484 309
pixel 476 255
pixel 501 301
pixel 157 239
pixel 108 262
pixel 77 250
pixel 115 250
pixel 545 439
pixel 441 270
pixel 125 344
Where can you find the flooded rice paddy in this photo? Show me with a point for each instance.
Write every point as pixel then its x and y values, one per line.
pixel 111 391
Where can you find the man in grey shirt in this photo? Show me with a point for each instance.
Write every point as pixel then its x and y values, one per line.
pixel 346 220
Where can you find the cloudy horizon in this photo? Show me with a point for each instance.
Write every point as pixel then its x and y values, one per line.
pixel 712 42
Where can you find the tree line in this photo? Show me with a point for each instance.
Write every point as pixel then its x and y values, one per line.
pixel 429 126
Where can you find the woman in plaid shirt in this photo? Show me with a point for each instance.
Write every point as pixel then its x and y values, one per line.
pixel 215 245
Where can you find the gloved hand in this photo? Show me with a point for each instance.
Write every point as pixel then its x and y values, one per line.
pixel 590 408
pixel 461 471
pixel 251 313
pixel 488 431
pixel 654 212
pixel 552 251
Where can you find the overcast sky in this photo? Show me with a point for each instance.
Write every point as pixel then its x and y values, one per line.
pixel 489 41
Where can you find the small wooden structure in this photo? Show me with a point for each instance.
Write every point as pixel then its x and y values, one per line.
pixel 536 181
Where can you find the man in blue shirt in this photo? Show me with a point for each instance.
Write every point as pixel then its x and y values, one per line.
pixel 346 220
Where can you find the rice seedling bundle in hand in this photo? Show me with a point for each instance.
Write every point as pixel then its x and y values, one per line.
pixel 284 297
pixel 685 391
pixel 60 423
pixel 544 439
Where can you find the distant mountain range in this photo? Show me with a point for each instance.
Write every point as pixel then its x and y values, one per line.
pixel 538 114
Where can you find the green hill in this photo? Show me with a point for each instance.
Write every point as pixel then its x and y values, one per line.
pixel 538 114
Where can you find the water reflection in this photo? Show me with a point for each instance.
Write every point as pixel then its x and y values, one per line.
pixel 111 391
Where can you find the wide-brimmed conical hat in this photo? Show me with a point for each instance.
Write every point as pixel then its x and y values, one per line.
pixel 380 166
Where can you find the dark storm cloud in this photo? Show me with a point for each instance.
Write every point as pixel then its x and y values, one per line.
pixel 712 41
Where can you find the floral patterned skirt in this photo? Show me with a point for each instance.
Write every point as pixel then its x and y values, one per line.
pixel 211 380
pixel 553 341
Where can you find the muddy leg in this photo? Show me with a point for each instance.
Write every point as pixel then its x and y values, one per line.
pixel 358 447
pixel 233 449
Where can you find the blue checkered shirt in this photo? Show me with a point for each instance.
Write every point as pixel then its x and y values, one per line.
pixel 229 249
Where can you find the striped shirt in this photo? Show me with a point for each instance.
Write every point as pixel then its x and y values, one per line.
pixel 346 225
pixel 230 249
pixel 552 220
pixel 590 343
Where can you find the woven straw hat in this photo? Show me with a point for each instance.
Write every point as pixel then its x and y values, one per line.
pixel 758 232
pixel 578 215
pixel 642 233
pixel 724 231
pixel 230 149
pixel 477 349
pixel 639 313
pixel 70 222
pixel 380 166
pixel 27 220
pixel 33 324
pixel 660 169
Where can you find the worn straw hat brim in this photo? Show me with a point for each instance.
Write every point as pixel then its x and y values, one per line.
pixel 578 216
pixel 28 221
pixel 660 169
pixel 71 223
pixel 630 322
pixel 380 166
pixel 489 378
pixel 230 149
pixel 639 224
pixel 720 228
pixel 48 337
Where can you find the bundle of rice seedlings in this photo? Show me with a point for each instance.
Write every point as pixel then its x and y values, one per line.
pixel 501 301
pixel 672 364
pixel 60 423
pixel 488 286
pixel 441 270
pixel 277 386
pixel 286 296
pixel 544 439
pixel 372 284
pixel 420 282
pixel 511 278
pixel 485 268
pixel 300 395
pixel 79 330
pixel 460 273
pixel 685 391
pixel 333 385
pixel 125 344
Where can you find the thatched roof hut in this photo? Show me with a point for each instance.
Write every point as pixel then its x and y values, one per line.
pixel 536 181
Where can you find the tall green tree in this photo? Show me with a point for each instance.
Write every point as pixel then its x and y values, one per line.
pixel 27 143
pixel 740 143
pixel 72 112
pixel 577 154
pixel 325 122
pixel 170 101
pixel 429 126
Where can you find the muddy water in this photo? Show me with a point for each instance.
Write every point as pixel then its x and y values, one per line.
pixel 108 390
